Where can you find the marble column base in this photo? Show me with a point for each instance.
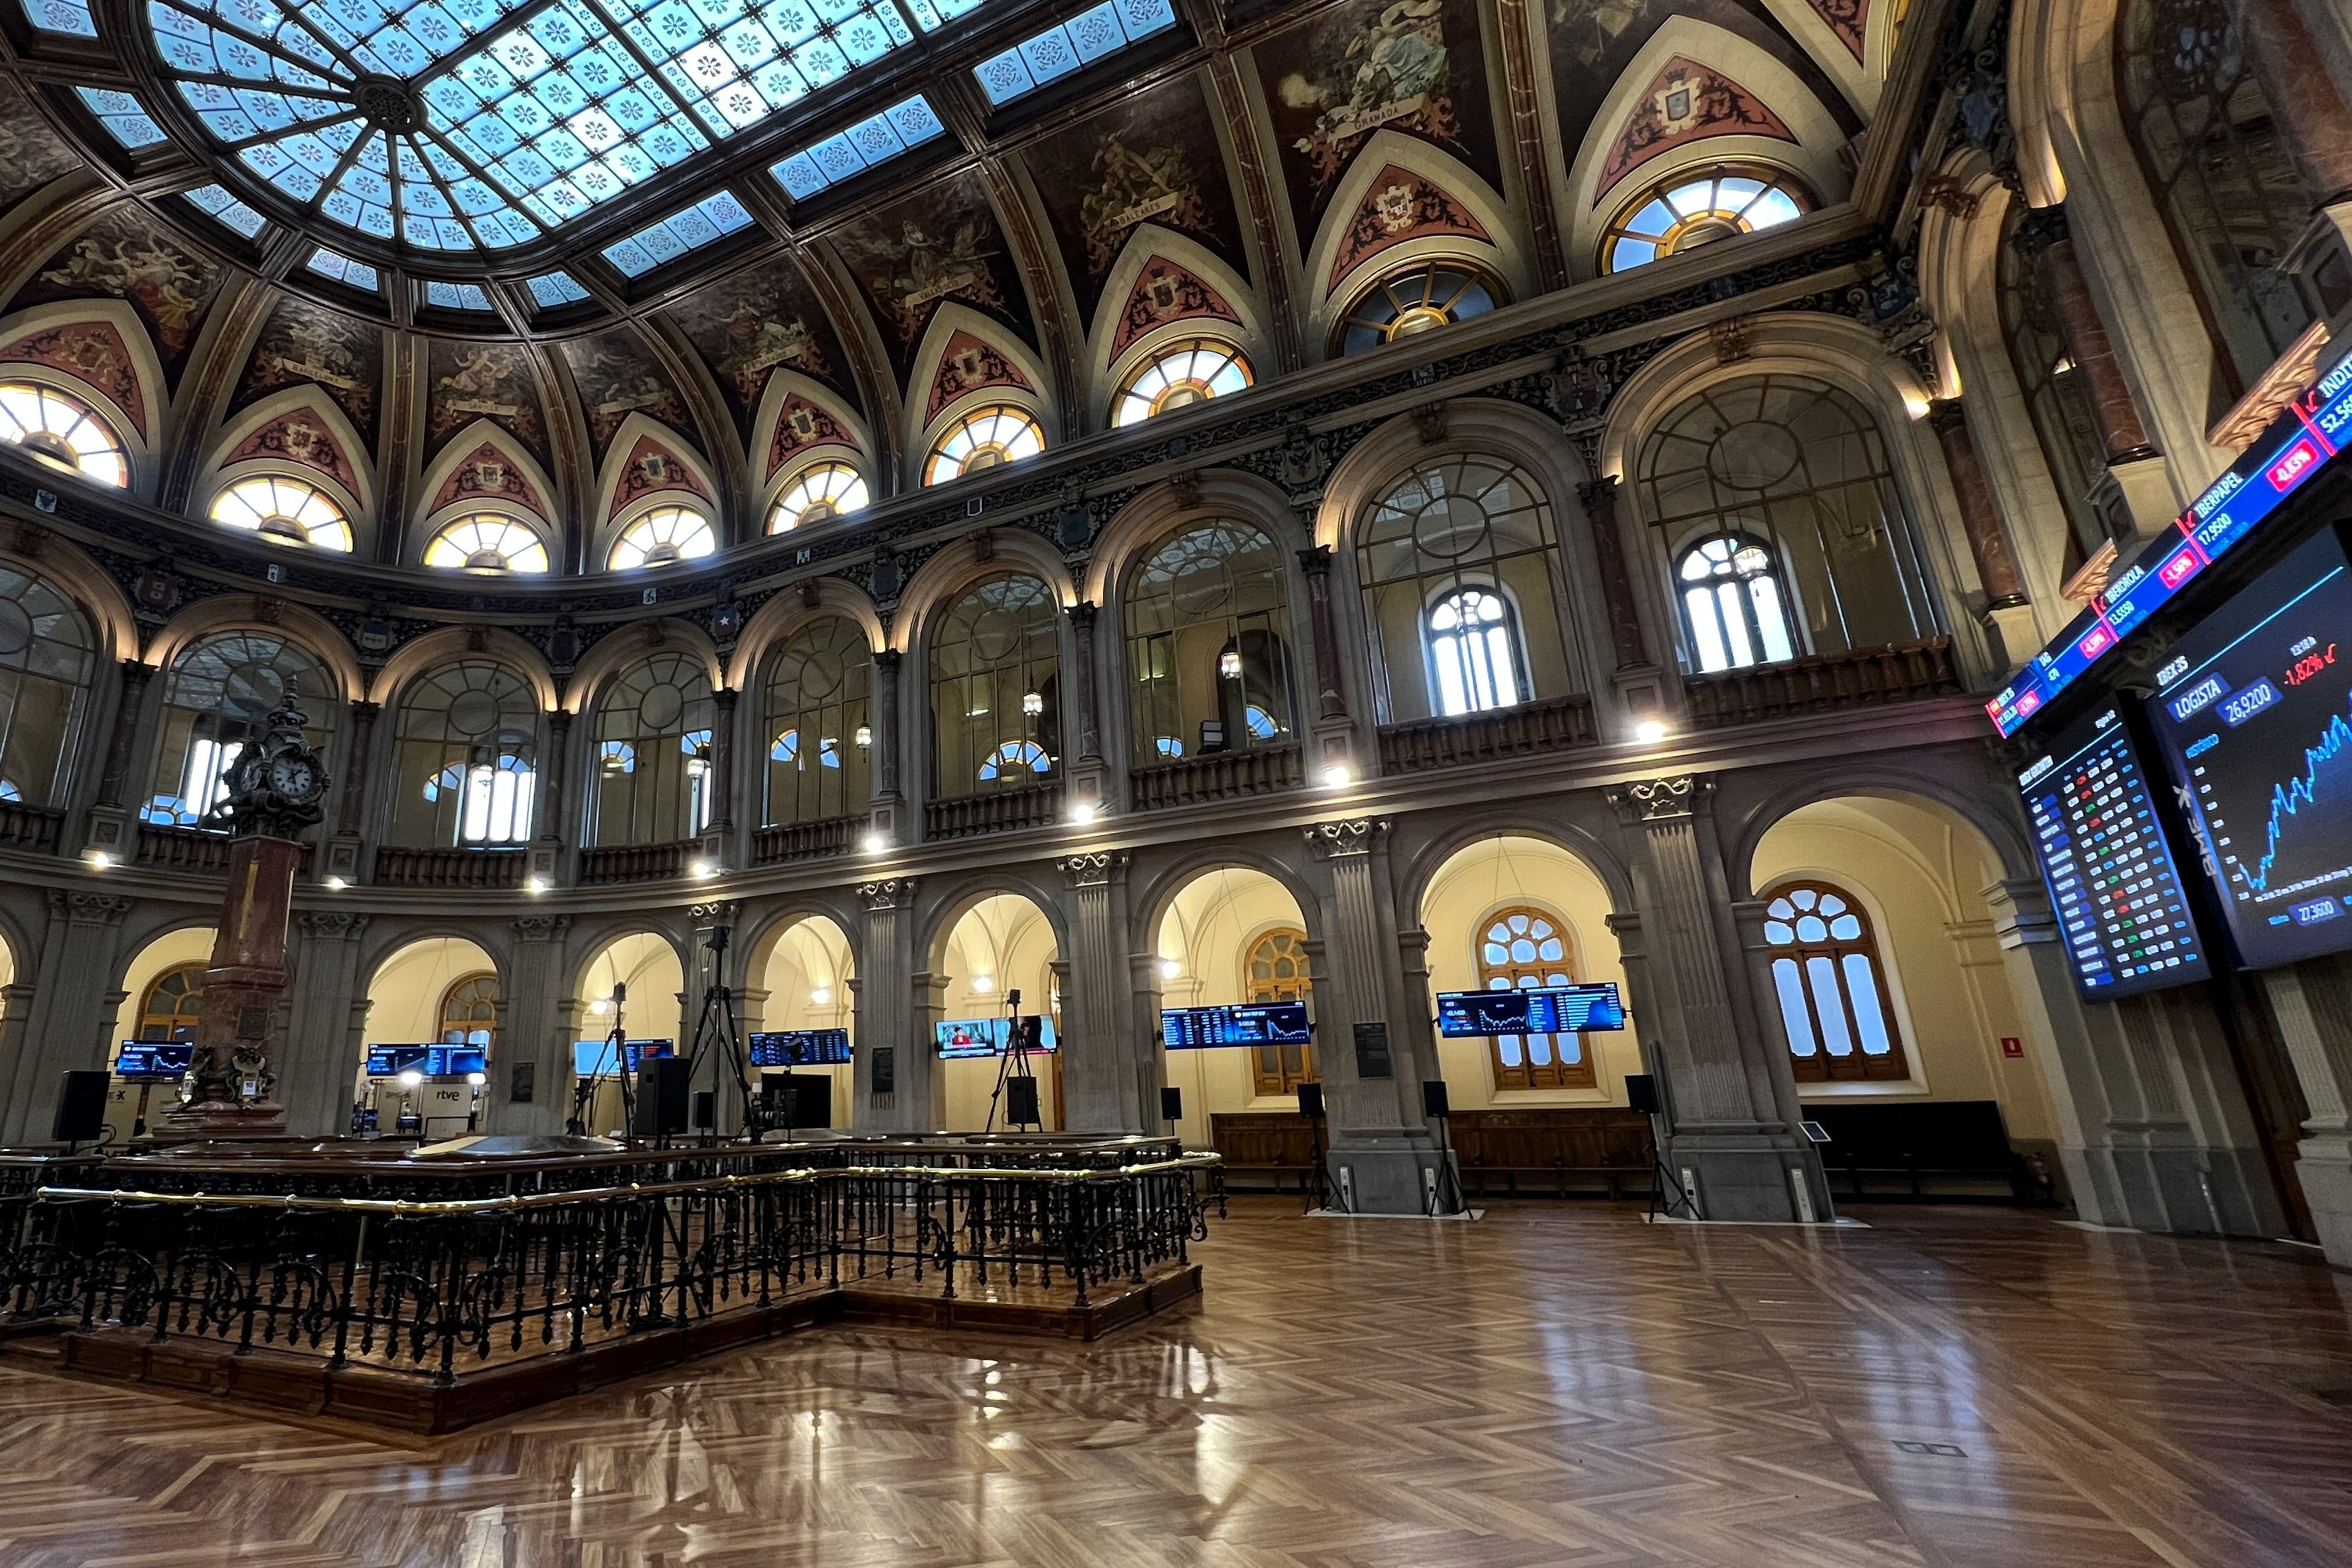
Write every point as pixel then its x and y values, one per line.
pixel 208 1121
pixel 1747 1176
pixel 2323 1165
pixel 1384 1173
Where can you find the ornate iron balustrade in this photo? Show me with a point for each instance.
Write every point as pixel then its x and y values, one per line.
pixel 1898 673
pixel 803 841
pixel 633 863
pixel 996 811
pixel 398 866
pixel 35 827
pixel 1220 776
pixel 1551 725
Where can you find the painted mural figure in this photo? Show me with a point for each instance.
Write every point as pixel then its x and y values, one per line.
pixel 1152 186
pixel 1396 71
pixel 927 267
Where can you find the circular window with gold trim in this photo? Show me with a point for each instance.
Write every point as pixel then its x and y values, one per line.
pixel 663 535
pixel 487 541
pixel 818 493
pixel 1419 299
pixel 1698 208
pixel 284 511
pixel 1179 375
pixel 982 439
pixel 62 430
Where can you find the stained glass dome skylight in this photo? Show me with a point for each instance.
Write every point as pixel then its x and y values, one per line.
pixel 456 125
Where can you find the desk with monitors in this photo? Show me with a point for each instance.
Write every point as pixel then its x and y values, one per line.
pixel 1263 1023
pixel 433 1092
pixel 1545 1010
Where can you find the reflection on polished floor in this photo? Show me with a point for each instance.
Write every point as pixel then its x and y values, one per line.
pixel 1557 1385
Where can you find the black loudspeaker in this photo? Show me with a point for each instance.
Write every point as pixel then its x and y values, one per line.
pixel 661 1097
pixel 811 1099
pixel 1171 1103
pixel 1433 1102
pixel 886 1070
pixel 706 1109
pixel 1021 1103
pixel 1310 1100
pixel 81 1106
pixel 1641 1092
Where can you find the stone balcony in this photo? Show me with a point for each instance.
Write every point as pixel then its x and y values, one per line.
pixel 1897 672
pixel 1219 776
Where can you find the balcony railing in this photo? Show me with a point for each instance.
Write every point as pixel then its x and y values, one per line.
pixel 1554 723
pixel 1898 673
pixel 1220 776
pixel 998 811
pixel 190 850
pixel 803 841
pixel 35 827
pixel 396 866
pixel 633 863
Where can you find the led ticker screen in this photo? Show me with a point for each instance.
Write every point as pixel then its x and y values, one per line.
pixel 1265 1023
pixel 1545 1010
pixel 596 1058
pixel 2254 711
pixel 2298 446
pixel 150 1060
pixel 986 1036
pixel 801 1048
pixel 2112 883
pixel 432 1060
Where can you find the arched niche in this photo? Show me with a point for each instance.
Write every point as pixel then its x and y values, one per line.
pixel 801 973
pixel 1234 934
pixel 995 943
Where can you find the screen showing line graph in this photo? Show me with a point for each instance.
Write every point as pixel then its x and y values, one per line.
pixel 2254 709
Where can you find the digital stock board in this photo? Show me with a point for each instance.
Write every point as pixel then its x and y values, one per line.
pixel 1536 1009
pixel 1261 1023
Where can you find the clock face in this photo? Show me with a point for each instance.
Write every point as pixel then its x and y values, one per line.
pixel 293 778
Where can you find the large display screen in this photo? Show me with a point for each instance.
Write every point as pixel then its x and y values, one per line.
pixel 432 1060
pixel 2253 709
pixel 801 1048
pixel 594 1058
pixel 1544 1009
pixel 149 1061
pixel 2113 882
pixel 1265 1023
pixel 988 1036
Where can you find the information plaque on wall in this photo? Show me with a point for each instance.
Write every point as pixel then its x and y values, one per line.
pixel 1372 1051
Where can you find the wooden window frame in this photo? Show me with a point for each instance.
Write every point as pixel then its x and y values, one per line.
pixel 1525 1073
pixel 1822 1067
pixel 1272 1066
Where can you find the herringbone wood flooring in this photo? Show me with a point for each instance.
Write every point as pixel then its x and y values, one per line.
pixel 1556 1384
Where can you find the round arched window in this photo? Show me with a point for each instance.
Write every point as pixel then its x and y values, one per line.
pixel 63 431
pixel 284 511
pixel 1692 209
pixel 982 439
pixel 1178 376
pixel 662 536
pixel 1419 298
pixel 487 541
pixel 818 492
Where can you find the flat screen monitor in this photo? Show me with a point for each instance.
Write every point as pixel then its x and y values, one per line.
pixel 988 1036
pixel 1545 1010
pixel 594 1058
pixel 2112 883
pixel 152 1061
pixel 432 1060
pixel 1264 1023
pixel 2253 712
pixel 801 1048
pixel 392 1060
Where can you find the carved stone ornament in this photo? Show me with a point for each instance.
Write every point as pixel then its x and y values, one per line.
pixel 1331 841
pixel 1657 799
pixel 88 908
pixel 331 924
pixel 719 912
pixel 542 927
pixel 895 892
pixel 1096 868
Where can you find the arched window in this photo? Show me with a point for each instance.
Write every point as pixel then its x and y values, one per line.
pixel 284 511
pixel 1695 208
pixel 469 1011
pixel 1833 999
pixel 1797 469
pixel 1207 644
pixel 817 492
pixel 995 683
pixel 487 541
pixel 467 740
pixel 1467 536
pixel 62 430
pixel 173 1000
pixel 982 439
pixel 2210 145
pixel 653 753
pixel 1179 375
pixel 217 699
pixel 663 535
pixel 46 655
pixel 819 723
pixel 1418 298
pixel 1276 970
pixel 1734 602
pixel 1523 949
pixel 2055 393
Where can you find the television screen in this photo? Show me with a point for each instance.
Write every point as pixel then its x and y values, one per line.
pixel 2253 711
pixel 150 1061
pixel 801 1048
pixel 988 1036
pixel 392 1060
pixel 1268 1023
pixel 1546 1009
pixel 432 1060
pixel 2112 883
pixel 595 1058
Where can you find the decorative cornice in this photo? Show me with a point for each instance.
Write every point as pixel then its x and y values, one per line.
pixel 542 927
pixel 1096 868
pixel 331 924
pixel 1354 836
pixel 1669 798
pixel 892 892
pixel 87 909
pixel 718 912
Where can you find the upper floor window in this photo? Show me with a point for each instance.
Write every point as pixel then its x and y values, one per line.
pixel 469 1010
pixel 817 492
pixel 1179 375
pixel 996 662
pixel 2056 397
pixel 46 658
pixel 1524 948
pixel 217 699
pixel 663 535
pixel 1419 299
pixel 1827 969
pixel 63 431
pixel 487 541
pixel 819 723
pixel 1473 651
pixel 285 511
pixel 653 750
pixel 1276 968
pixel 1689 210
pixel 983 438
pixel 1207 644
pixel 468 745
pixel 174 1000
pixel 1733 602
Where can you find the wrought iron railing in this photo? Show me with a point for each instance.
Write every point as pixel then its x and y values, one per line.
pixel 633 863
pixel 803 841
pixel 997 811
pixel 399 866
pixel 1898 673
pixel 1220 776
pixel 1551 725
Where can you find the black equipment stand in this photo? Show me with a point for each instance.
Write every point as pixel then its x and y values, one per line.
pixel 1013 1063
pixel 1681 1204
pixel 616 1048
pixel 1318 1196
pixel 718 1031
pixel 1445 1197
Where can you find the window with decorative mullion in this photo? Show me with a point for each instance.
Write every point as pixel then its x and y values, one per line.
pixel 1276 968
pixel 1523 949
pixel 1830 979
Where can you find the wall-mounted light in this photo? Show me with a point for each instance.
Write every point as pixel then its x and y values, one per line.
pixel 822 995
pixel 703 869
pixel 601 1006
pixel 982 984
pixel 335 885
pixel 1169 969
pixel 534 884
pixel 1650 731
pixel 1083 813
pixel 876 843
pixel 99 860
pixel 1337 776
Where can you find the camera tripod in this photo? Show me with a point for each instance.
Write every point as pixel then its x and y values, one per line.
pixel 615 1051
pixel 718 1031
pixel 1013 1064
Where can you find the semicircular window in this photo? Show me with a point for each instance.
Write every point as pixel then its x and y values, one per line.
pixel 284 511
pixel 1178 376
pixel 663 535
pixel 817 492
pixel 486 541
pixel 1688 210
pixel 62 430
pixel 1421 297
pixel 982 439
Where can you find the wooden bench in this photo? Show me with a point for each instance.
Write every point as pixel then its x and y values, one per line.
pixel 1593 1149
pixel 1262 1144
pixel 1917 1147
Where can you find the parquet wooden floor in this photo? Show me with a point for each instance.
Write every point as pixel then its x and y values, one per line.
pixel 1556 1384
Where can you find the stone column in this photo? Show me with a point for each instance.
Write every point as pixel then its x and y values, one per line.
pixel 70 1024
pixel 237 1032
pixel 349 811
pixel 889 797
pixel 1105 1068
pixel 536 1029
pixel 1144 986
pixel 723 704
pixel 1600 498
pixel 320 1062
pixel 2006 602
pixel 1089 784
pixel 886 1012
pixel 1331 692
pixel 2311 1002
pixel 2315 123
pixel 136 674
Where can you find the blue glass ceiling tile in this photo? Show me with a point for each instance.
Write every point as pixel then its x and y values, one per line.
pixel 342 269
pixel 456 296
pixel 630 257
pixel 1096 33
pixel 1086 40
pixel 72 18
pixel 123 118
pixel 799 177
pixel 1004 77
pixel 1049 54
pixel 872 141
pixel 556 289
pixel 227 209
pixel 915 120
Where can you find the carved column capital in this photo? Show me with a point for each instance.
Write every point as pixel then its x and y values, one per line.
pixel 1315 561
pixel 1082 614
pixel 2040 228
pixel 87 909
pixel 893 893
pixel 331 924
pixel 1356 836
pixel 1096 868
pixel 1669 798
pixel 717 912
pixel 542 927
pixel 888 659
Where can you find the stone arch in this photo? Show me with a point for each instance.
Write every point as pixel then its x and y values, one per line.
pixel 112 625
pixel 768 925
pixel 625 492
pixel 1165 506
pixel 1462 832
pixel 926 422
pixel 450 644
pixel 620 649
pixel 386 938
pixel 1502 254
pixel 962 563
pixel 786 612
pixel 1915 777
pixel 939 909
pixel 272 617
pixel 351 485
pixel 1155 897
pixel 483 468
pixel 134 402
pixel 1110 360
pixel 587 947
pixel 775 448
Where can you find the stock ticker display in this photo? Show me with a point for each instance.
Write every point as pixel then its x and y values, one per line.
pixel 155 1062
pixel 2253 709
pixel 1545 1010
pixel 1265 1023
pixel 432 1060
pixel 799 1048
pixel 2112 883
pixel 597 1059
